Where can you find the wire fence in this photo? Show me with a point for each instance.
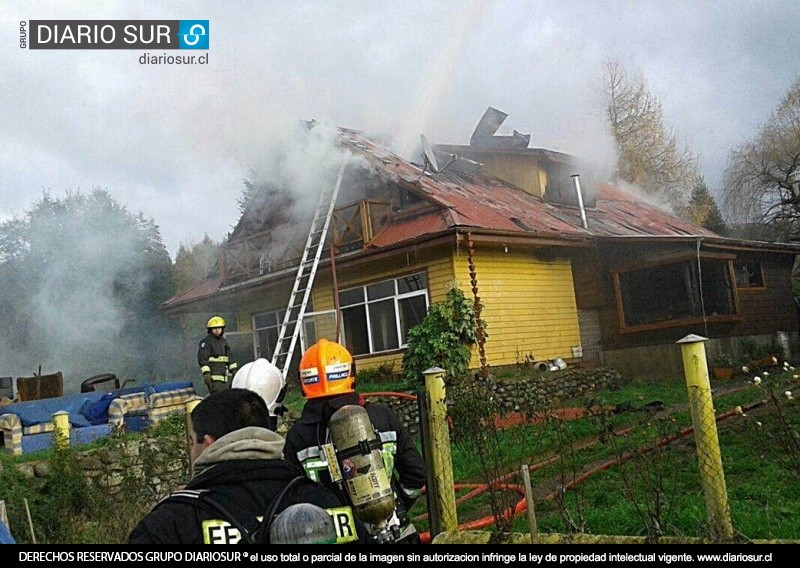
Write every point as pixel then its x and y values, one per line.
pixel 648 460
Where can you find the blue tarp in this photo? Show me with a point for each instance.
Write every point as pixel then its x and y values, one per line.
pixel 85 409
pixel 5 535
pixel 32 412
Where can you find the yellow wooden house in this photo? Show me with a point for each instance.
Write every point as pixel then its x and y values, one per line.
pixel 564 267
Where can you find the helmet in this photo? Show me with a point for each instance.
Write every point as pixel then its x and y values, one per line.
pixel 263 378
pixel 216 321
pixel 326 369
pixel 303 523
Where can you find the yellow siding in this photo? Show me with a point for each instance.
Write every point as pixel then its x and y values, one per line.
pixel 439 266
pixel 528 305
pixel 258 301
pixel 367 363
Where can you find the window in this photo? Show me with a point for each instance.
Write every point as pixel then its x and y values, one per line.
pixel 267 326
pixel 377 316
pixel 748 274
pixel 671 294
pixel 406 198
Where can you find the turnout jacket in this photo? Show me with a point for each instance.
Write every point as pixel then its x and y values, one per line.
pixel 214 356
pixel 243 471
pixel 404 464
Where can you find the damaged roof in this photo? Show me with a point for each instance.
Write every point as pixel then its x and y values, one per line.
pixel 470 199
pixel 477 200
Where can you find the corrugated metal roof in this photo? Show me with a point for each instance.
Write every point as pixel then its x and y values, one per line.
pixel 481 201
pixel 204 289
pixel 477 200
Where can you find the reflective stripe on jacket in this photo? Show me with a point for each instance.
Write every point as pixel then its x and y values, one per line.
pixel 214 356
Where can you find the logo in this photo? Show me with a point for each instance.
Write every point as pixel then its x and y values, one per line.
pixel 116 34
pixel 348 469
pixel 193 34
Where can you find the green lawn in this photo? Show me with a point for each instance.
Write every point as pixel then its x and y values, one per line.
pixel 655 492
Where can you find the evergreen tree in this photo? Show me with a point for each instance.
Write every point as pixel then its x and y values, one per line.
pixel 703 210
pixel 83 279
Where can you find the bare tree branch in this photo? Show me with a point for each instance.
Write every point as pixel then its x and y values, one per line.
pixel 760 173
pixel 649 154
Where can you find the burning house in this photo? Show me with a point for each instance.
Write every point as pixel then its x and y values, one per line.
pixel 566 266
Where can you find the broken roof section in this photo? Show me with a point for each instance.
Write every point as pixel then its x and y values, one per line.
pixel 481 201
pixel 467 197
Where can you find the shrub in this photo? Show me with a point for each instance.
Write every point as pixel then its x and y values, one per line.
pixel 442 339
pixel 724 361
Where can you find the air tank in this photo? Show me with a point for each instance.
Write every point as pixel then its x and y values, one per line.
pixel 358 451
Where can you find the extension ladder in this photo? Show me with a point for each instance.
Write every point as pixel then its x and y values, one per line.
pixel 295 310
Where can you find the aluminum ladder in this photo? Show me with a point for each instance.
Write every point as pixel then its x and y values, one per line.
pixel 293 318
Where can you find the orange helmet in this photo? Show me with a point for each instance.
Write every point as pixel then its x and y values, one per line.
pixel 327 369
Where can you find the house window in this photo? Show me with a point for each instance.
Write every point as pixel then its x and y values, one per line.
pixel 406 198
pixel 748 274
pixel 377 316
pixel 675 293
pixel 267 326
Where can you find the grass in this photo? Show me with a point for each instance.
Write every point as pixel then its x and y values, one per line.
pixel 763 495
pixel 657 493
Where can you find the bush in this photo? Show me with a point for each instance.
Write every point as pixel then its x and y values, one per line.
pixel 443 339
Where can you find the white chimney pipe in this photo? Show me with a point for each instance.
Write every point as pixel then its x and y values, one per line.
pixel 577 183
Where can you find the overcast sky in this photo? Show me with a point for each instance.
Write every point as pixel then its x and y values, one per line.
pixel 175 142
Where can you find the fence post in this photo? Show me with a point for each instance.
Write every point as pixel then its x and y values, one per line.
pixel 712 475
pixel 442 463
pixel 61 429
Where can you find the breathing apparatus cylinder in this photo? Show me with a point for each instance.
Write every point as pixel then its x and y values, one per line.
pixel 358 451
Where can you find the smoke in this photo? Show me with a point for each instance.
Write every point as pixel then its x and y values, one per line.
pixel 81 293
pixel 436 77
pixel 656 200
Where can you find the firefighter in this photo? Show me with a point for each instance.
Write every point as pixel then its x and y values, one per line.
pixel 241 482
pixel 215 358
pixel 327 376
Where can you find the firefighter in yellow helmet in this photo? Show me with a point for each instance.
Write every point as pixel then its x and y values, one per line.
pixel 215 358
pixel 327 377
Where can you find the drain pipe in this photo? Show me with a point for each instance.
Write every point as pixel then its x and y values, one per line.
pixel 577 183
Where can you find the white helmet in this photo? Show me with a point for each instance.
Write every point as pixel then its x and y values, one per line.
pixel 264 379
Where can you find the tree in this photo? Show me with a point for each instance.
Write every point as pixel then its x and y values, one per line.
pixel 196 262
pixel 85 281
pixel 703 210
pixel 762 174
pixel 649 154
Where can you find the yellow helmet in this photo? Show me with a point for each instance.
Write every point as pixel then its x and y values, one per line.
pixel 326 369
pixel 216 321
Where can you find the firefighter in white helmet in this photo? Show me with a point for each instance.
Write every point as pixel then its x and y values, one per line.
pixel 327 377
pixel 215 358
pixel 265 379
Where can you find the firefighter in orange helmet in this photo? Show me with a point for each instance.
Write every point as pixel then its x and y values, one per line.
pixel 215 358
pixel 327 377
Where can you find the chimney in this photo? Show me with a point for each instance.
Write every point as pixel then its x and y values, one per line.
pixel 577 183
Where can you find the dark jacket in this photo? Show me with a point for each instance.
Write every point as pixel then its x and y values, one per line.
pixel 307 435
pixel 243 483
pixel 214 356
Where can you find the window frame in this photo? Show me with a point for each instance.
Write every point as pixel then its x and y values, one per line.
pixel 679 259
pixel 279 314
pixel 396 298
pixel 760 268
